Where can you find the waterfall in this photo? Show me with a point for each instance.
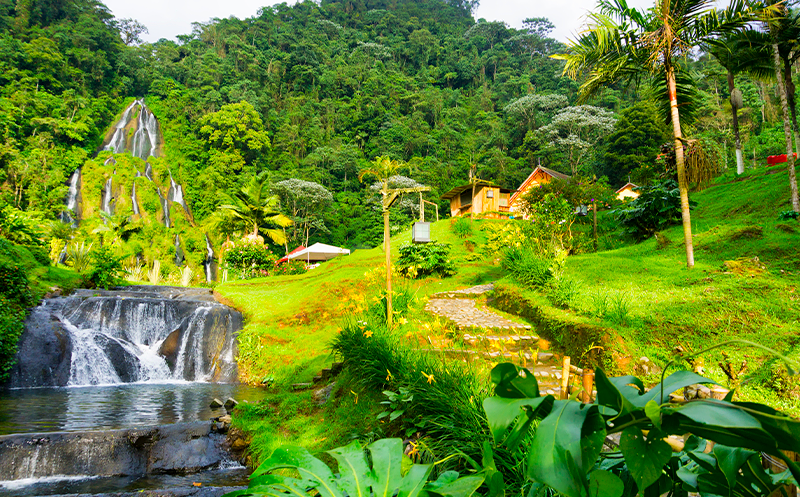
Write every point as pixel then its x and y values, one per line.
pixel 178 251
pixel 144 141
pixel 71 214
pixel 134 203
pixel 209 263
pixel 164 207
pixel 107 198
pixel 148 171
pixel 142 334
pixel 118 139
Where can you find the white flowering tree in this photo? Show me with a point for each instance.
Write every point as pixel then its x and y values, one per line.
pixel 305 201
pixel 532 108
pixel 577 129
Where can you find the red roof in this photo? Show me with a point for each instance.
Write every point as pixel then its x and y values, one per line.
pixel 286 257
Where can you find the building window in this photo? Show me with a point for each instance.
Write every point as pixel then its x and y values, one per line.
pixel 504 200
pixel 466 197
pixel 489 193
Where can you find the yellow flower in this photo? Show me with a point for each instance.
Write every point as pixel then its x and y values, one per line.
pixel 429 377
pixel 402 320
pixel 368 333
pixel 356 396
pixel 389 376
pixel 414 451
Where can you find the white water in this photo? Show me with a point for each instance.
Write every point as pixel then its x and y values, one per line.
pixel 134 203
pixel 208 264
pixel 145 139
pixel 26 482
pixel 164 207
pixel 176 191
pixel 106 207
pixel 72 199
pixel 118 140
pixel 191 344
pixel 148 171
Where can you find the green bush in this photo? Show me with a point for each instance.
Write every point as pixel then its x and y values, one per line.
pixel 39 253
pixel 106 268
pixel 527 267
pixel 424 259
pixel 15 297
pixel 657 207
pixel 289 267
pixel 563 292
pixel 462 227
pixel 250 260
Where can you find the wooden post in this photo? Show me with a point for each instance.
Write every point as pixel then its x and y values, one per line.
pixel 387 245
pixel 565 378
pixel 588 383
pixel 594 223
pixel 421 209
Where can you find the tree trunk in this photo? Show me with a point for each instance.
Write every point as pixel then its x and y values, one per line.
pixel 680 165
pixel 787 78
pixel 735 112
pixel 787 131
pixel 388 247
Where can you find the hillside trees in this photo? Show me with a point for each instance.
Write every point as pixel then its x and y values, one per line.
pixel 625 43
pixel 633 144
pixel 306 203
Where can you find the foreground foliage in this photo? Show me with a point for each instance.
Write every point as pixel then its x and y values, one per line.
pixel 385 474
pixel 566 452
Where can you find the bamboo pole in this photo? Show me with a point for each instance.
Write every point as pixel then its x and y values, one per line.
pixel 587 379
pixel 565 378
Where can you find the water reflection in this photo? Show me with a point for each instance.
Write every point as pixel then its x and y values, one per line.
pixel 114 406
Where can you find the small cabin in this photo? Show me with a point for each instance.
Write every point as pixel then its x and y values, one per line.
pixel 627 192
pixel 539 176
pixel 488 198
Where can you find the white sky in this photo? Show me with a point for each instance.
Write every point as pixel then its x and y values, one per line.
pixel 168 18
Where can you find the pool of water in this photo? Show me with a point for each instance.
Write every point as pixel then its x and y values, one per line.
pixel 38 410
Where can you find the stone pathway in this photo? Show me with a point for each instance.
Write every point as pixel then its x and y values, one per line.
pixel 463 313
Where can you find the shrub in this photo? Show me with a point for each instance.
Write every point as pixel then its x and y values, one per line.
pixel 462 227
pixel 787 215
pixel 527 267
pixel 15 297
pixel 289 267
pixel 106 268
pixel 564 292
pixel 79 256
pixel 424 259
pixel 249 260
pixel 657 207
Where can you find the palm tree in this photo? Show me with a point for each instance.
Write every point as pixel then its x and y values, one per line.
pixel 784 31
pixel 256 209
pixel 625 43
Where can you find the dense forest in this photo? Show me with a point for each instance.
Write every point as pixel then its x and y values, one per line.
pixel 315 92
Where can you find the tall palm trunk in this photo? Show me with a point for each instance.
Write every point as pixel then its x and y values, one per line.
pixel 681 166
pixel 735 112
pixel 787 78
pixel 787 131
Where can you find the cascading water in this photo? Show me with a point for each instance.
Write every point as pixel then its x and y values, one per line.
pixel 71 214
pixel 145 141
pixel 209 263
pixel 148 171
pixel 164 207
pixel 134 202
pixel 178 251
pixel 119 138
pixel 143 334
pixel 107 206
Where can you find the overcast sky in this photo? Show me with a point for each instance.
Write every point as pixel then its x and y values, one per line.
pixel 168 18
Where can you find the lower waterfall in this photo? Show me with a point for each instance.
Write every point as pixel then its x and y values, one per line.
pixel 138 334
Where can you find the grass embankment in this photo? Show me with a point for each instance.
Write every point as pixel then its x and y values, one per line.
pixel 640 300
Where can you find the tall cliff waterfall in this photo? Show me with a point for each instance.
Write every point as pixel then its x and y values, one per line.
pixel 145 140
pixel 139 334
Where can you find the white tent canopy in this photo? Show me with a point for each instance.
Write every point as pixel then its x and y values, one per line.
pixel 319 252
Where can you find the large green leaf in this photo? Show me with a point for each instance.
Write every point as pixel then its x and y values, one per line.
pixel 605 484
pixel 309 467
pixel 386 466
pixel 415 480
pixel 503 412
pixel 610 391
pixel 645 457
pixel 729 460
pixel 355 474
pixel 514 382
pixel 563 451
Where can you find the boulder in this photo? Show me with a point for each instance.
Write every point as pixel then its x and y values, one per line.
pixel 44 352
pixel 216 404
pixel 230 404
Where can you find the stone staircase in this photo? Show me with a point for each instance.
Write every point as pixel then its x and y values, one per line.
pixel 484 335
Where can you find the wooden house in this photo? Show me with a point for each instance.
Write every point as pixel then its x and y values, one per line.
pixel 539 176
pixel 627 192
pixel 488 198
